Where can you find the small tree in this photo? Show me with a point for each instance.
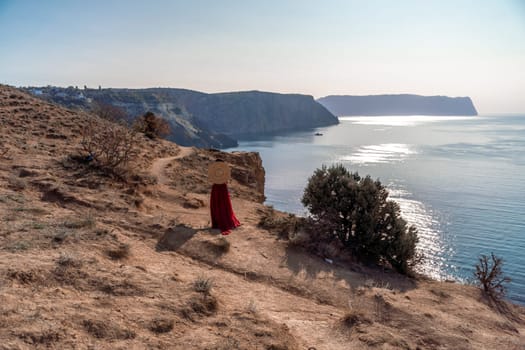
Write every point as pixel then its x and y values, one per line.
pixel 489 276
pixel 357 212
pixel 152 126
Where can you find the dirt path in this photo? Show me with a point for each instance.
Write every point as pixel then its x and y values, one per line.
pixel 310 322
pixel 167 206
pixel 159 165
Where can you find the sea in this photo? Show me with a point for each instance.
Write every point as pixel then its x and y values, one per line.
pixel 459 180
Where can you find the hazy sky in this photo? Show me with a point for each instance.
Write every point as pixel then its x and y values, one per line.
pixel 447 47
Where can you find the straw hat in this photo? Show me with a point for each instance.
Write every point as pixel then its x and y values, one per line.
pixel 219 173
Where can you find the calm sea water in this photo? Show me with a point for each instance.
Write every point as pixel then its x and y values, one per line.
pixel 459 180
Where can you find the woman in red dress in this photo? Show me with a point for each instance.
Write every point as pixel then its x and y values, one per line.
pixel 222 215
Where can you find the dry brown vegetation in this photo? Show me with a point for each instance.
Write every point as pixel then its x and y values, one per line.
pixel 152 126
pixel 489 276
pixel 91 261
pixel 111 146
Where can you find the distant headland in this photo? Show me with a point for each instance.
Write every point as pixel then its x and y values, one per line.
pixel 402 104
pixel 201 119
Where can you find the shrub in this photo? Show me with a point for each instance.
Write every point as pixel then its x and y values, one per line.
pixel 152 126
pixel 352 319
pixel 111 145
pixel 161 325
pixel 107 330
pixel 120 252
pixel 77 223
pixel 489 276
pixel 200 305
pixel 67 260
pixel 203 285
pixel 357 211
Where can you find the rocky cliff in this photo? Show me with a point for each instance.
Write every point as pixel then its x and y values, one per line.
pixel 200 119
pixel 186 130
pixel 404 104
pixel 252 112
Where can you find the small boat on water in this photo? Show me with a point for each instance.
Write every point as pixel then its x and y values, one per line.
pixel 318 134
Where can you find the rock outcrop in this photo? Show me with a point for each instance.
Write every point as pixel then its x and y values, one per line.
pixel 247 172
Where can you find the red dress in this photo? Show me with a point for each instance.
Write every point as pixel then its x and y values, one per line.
pixel 222 215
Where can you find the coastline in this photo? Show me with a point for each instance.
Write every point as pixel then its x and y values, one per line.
pixel 432 208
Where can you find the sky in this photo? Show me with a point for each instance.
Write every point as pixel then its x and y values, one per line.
pixel 470 48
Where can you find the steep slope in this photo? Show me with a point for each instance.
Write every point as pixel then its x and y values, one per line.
pixel 89 261
pixel 403 104
pixel 252 112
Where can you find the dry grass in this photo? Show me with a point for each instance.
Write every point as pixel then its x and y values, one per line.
pixel 38 226
pixel 381 308
pixel 352 319
pixel 19 246
pixel 251 307
pixel 117 287
pixel 25 276
pixel 227 344
pixel 62 236
pixel 107 330
pixel 39 338
pixel 77 223
pixel 440 293
pixel 122 251
pixel 17 183
pixel 200 305
pixel 203 285
pixel 283 224
pixel 161 325
pixel 68 260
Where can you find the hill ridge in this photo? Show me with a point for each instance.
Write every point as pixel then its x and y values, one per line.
pixel 203 119
pixel 398 104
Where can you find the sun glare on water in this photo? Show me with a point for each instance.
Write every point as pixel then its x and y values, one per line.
pixel 411 120
pixel 382 153
pixel 431 243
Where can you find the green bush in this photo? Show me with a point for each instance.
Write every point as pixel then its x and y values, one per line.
pixel 357 211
